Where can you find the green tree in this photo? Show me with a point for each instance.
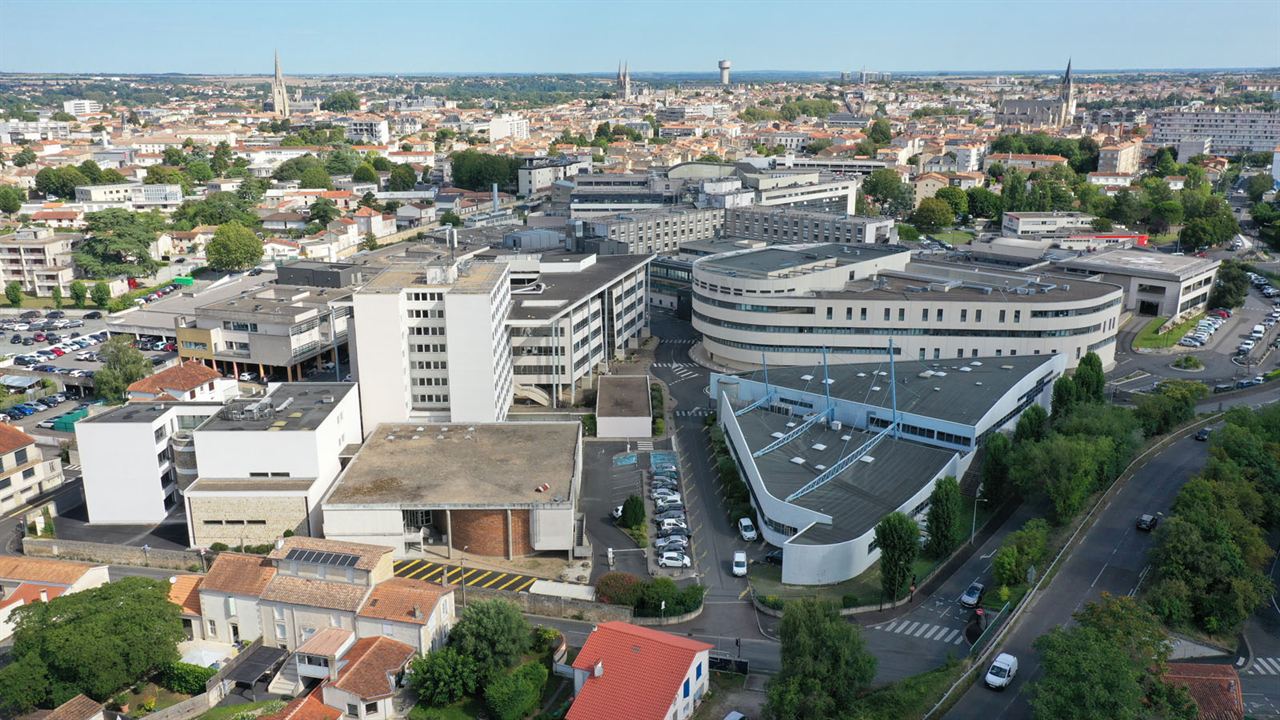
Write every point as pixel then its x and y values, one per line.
pixel 366 174
pixel 323 211
pixel 25 157
pixel 474 170
pixel 92 171
pixel 1166 214
pixel 886 188
pixel 293 168
pixel 1101 224
pixel 122 365
pixel 1085 676
pixel 632 512
pixel 956 198
pixel 1258 185
pixel 515 695
pixel 898 538
pixel 78 293
pixel 56 296
pixel 101 295
pixel 449 217
pixel 932 215
pixel 825 664
pixel 1067 469
pixel 995 468
pixel 1032 426
pixel 880 132
pixel 369 243
pixel 342 161
pixel 380 163
pixel 343 101
pixel 983 203
pixel 315 178
pixel 165 175
pixel 234 247
pixel 13 293
pixel 10 199
pixel 442 677
pixel 1065 396
pixel 24 685
pixel 95 641
pixel 494 633
pixel 1013 190
pixel 1089 378
pixel 403 178
pixel 945 531
pixel 907 233
pixel 61 182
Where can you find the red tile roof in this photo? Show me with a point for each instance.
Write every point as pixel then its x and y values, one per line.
pixel 397 599
pixel 42 570
pixel 1215 688
pixel 239 574
pixel 12 438
pixel 80 707
pixel 184 592
pixel 28 593
pixel 185 377
pixel 642 671
pixel 307 707
pixel 372 665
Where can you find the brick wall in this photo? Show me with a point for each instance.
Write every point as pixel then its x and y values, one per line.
pixel 520 535
pixel 482 532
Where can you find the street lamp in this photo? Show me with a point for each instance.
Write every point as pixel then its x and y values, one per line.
pixel 462 562
pixel 977 498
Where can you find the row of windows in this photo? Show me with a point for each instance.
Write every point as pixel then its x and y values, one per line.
pixel 420 314
pixel 434 330
pixel 240 326
pixel 429 365
pixel 938 332
pixel 425 297
pixel 839 350
pixel 430 381
pixel 939 314
pixel 234 522
pixel 415 347
pixel 431 398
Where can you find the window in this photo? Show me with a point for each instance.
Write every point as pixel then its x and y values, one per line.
pixel 28 473
pixel 371 708
pixel 353 710
pixel 280 631
pixel 686 687
pixel 231 607
pixel 902 314
pixel 829 309
pixel 697 672
pixel 213 628
pixel 1017 316
pixel 964 315
pixel 848 313
pixel 924 314
pixel 1002 316
pixel 864 314
pixel 886 315
pixel 939 314
pixel 977 316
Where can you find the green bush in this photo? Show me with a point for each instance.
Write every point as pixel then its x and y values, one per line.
pixel 618 588
pixel 772 601
pixel 589 425
pixel 849 600
pixel 656 399
pixel 219 547
pixel 516 694
pixel 659 426
pixel 184 678
pixel 632 512
pixel 678 600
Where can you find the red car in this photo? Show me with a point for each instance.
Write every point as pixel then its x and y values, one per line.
pixel 57 351
pixel 38 337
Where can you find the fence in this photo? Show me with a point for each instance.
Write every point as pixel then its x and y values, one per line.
pixel 110 554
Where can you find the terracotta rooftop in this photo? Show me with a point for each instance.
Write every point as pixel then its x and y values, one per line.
pixel 184 592
pixel 239 574
pixel 327 642
pixel 41 570
pixel 185 377
pixel 643 671
pixel 370 555
pixel 307 707
pixel 12 438
pixel 80 707
pixel 27 593
pixel 315 593
pixel 397 600
pixel 1215 688
pixel 372 665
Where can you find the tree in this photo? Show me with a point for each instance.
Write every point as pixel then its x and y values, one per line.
pixel 316 178
pixel 983 203
pixel 449 217
pixel 380 163
pixel 366 174
pixel 880 132
pixel 118 243
pixel 1013 190
pixel 632 512
pixel 234 247
pixel 342 161
pixel 956 198
pixel 995 467
pixel 442 677
pixel 10 199
pixel 825 664
pixel 515 695
pixel 13 293
pixel 95 641
pixel 1065 396
pixel 369 243
pixel 403 178
pixel 494 633
pixel 25 157
pixel 164 175
pixel 61 182
pixel 293 168
pixel 78 293
pixel 1085 676
pixel 101 295
pixel 907 233
pixel 1089 378
pixel 1101 224
pixel 898 538
pixel 1032 426
pixel 944 518
pixel 1165 214
pixel 1066 468
pixel 479 171
pixel 1258 185
pixel 122 365
pixel 322 211
pixel 56 296
pixel 24 685
pixel 92 171
pixel 888 191
pixel 343 101
pixel 932 215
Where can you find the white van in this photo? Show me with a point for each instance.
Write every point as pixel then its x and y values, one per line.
pixel 1258 332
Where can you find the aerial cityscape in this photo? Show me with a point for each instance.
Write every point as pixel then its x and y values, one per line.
pixel 669 361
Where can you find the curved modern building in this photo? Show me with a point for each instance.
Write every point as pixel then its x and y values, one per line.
pixel 785 304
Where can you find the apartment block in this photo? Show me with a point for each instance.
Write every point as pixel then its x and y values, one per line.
pixel 508 126
pixel 791 225
pixel 368 131
pixel 130 196
pixel 1120 158
pixel 1041 223
pixel 81 107
pixel 39 259
pixel 1230 132
pixel 24 473
pixel 537 174
pixel 651 231
pixel 31 131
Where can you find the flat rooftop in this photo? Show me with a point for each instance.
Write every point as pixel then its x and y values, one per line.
pixel 1143 264
pixel 955 282
pixel 143 412
pixel 476 277
pixel 942 389
pixel 278 302
pixel 778 259
pixel 430 465
pixel 856 498
pixel 289 406
pixel 159 316
pixel 561 291
pixel 623 396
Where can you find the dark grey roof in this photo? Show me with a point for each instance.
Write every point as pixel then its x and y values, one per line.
pixel 562 290
pixel 857 498
pixel 290 406
pixel 783 257
pixel 949 393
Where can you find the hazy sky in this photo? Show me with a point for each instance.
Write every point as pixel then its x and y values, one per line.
pixel 417 36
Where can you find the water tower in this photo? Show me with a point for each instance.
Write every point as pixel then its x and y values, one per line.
pixel 724 72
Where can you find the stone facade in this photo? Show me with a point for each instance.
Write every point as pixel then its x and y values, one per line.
pixel 222 519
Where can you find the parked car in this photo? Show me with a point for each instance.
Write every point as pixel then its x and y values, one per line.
pixel 675 559
pixel 666 507
pixel 55 314
pixel 675 543
pixel 30 315
pixel 93 315
pixel 739 563
pixel 1002 671
pixel 668 524
pixel 673 532
pixel 1147 522
pixel 248 376
pixel 972 597
pixel 668 515
pixel 666 468
pixel 617 512
pixel 661 495
pixel 747 530
pixel 773 557
pixel 15 340
pixel 1203 434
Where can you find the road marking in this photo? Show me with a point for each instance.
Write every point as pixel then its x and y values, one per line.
pixel 431 574
pixel 929 635
pixel 920 632
pixel 908 628
pixel 887 628
pixel 744 592
pixel 525 586
pixel 957 642
pixel 951 635
pixel 509 582
pixel 479 578
pixel 1104 568
pixel 407 568
pixel 496 579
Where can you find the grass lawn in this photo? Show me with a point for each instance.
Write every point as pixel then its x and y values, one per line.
pixel 465 709
pixel 861 590
pixel 955 237
pixel 1163 238
pixel 1150 337
pixel 909 697
pixel 226 712
pixel 164 698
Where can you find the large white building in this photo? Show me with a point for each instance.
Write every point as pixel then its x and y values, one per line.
pixel 1230 131
pixel 508 125
pixel 787 224
pixel 81 107
pixel 828 451
pixel 538 173
pixel 651 231
pixel 130 196
pixel 430 340
pixel 1044 223
pixel 787 304
pixel 1154 283
pixel 24 472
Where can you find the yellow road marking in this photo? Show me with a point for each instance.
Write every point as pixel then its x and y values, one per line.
pixel 425 569
pixel 406 568
pixel 469 573
pixel 525 585
pixel 512 580
pixel 478 578
pixel 451 572
pixel 431 575
pixel 494 580
pixel 744 592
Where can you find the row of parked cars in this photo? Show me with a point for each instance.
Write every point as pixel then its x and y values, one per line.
pixel 1205 329
pixel 27 409
pixel 670 516
pixel 1264 285
pixel 39 359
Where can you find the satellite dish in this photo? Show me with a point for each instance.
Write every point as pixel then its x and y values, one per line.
pixel 173 579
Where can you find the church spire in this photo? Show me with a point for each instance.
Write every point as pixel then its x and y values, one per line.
pixel 1066 78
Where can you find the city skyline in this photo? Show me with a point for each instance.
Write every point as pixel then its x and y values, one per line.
pixel 968 37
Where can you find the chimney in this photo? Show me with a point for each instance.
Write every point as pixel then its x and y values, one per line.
pixel 495 197
pixel 598 670
pixel 44 595
pixel 417 612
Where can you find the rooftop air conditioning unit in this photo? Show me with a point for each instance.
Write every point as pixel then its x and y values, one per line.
pixel 836 425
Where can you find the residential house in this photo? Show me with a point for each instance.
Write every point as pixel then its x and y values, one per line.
pixel 24 473
pixel 191 381
pixel 80 707
pixel 25 580
pixel 373 221
pixel 415 612
pixel 184 591
pixel 1214 688
pixel 653 674
pixel 359 676
pixel 230 594
pixel 927 185
pixel 282 221
pixel 412 215
pixel 39 259
pixel 60 217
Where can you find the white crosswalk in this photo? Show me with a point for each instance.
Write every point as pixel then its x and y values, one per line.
pixel 644 445
pixel 693 412
pixel 70 467
pixel 926 631
pixel 680 341
pixel 1264 666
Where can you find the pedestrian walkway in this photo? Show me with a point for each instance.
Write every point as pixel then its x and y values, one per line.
pixel 680 341
pixel 1264 666
pixel 458 575
pixel 644 446
pixel 926 631
pixel 693 412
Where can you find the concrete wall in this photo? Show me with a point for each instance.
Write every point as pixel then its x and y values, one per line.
pixel 551 605
pixel 379 350
pixel 224 609
pixel 475 354
pixel 208 516
pixel 375 526
pixel 624 427
pixel 121 473
pixel 110 554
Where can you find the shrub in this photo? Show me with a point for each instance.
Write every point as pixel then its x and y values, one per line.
pixel 219 547
pixel 849 600
pixel 618 588
pixel 443 677
pixel 678 601
pixel 632 512
pixel 546 639
pixel 589 425
pixel 185 678
pixel 516 694
pixel 659 426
